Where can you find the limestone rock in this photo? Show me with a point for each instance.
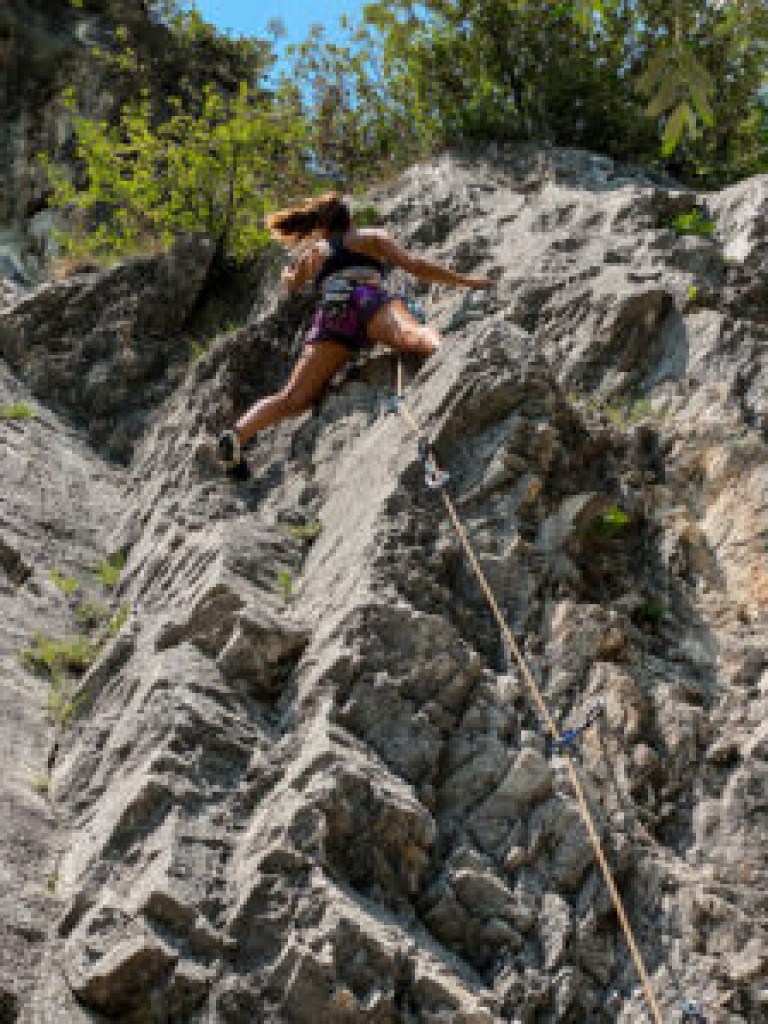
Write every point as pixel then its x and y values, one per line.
pixel 307 782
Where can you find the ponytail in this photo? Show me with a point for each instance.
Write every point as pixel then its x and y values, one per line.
pixel 328 212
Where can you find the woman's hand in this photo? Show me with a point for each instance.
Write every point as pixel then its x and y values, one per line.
pixel 288 277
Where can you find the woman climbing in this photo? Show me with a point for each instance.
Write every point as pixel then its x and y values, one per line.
pixel 355 312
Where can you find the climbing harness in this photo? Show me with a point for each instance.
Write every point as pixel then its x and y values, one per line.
pixel 567 739
pixel 543 712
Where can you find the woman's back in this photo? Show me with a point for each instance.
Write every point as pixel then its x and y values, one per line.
pixel 347 255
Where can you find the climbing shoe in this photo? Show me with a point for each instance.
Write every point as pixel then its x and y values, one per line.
pixel 231 456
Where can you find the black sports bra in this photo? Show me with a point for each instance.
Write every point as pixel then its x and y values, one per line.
pixel 342 258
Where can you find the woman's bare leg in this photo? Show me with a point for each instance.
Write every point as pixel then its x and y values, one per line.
pixel 316 365
pixel 394 325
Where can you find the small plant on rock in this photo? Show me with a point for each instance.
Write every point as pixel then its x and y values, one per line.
pixel 62 703
pixel 302 531
pixel 55 659
pixel 41 784
pixel 625 412
pixel 107 572
pixel 68 585
pixel 285 585
pixel 119 619
pixel 92 615
pixel 692 223
pixel 610 523
pixel 52 658
pixel 17 411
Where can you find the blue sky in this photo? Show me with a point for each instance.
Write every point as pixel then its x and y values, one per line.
pixel 250 17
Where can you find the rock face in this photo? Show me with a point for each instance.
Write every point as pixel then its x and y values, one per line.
pixel 303 781
pixel 45 45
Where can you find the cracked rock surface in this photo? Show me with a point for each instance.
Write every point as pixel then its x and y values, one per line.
pixel 304 781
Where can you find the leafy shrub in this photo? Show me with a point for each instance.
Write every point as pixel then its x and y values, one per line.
pixel 212 170
pixel 672 84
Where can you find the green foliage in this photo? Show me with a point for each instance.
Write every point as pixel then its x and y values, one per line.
pixel 626 79
pixel 97 616
pixel 93 615
pixel 675 85
pixel 52 658
pixel 368 216
pixel 52 881
pixel 692 223
pixel 365 121
pixel 212 171
pixel 108 570
pixel 624 413
pixel 68 585
pixel 610 523
pixel 693 291
pixel 302 531
pixel 17 411
pixel 680 89
pixel 55 659
pixel 285 585
pixel 119 619
pixel 62 703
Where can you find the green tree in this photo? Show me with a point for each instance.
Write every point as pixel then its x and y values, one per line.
pixel 361 119
pixel 212 172
pixel 672 83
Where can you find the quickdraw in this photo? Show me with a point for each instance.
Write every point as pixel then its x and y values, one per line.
pixel 434 477
pixel 692 1013
pixel 415 309
pixel 569 737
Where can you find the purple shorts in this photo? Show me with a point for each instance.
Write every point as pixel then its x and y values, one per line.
pixel 349 324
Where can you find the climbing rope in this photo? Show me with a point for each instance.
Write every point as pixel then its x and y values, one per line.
pixel 435 479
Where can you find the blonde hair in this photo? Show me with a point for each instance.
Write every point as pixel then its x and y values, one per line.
pixel 328 212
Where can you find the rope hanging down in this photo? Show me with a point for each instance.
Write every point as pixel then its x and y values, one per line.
pixel 538 700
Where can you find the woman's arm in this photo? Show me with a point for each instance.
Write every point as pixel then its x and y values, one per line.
pixel 305 266
pixel 385 248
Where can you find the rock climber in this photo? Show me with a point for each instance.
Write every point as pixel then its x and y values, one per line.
pixel 347 265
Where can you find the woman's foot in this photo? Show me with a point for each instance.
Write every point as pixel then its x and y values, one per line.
pixel 231 456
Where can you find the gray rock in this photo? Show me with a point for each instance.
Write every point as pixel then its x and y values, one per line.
pixel 333 801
